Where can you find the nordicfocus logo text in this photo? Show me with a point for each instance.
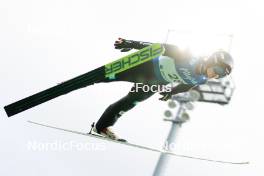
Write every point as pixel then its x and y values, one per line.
pixel 64 146
pixel 150 88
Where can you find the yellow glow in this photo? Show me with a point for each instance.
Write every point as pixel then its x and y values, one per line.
pixel 199 43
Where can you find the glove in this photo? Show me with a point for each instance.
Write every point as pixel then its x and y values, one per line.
pixel 123 45
pixel 166 96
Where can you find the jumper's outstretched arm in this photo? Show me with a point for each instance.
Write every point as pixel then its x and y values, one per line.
pixel 175 90
pixel 172 51
pixel 126 45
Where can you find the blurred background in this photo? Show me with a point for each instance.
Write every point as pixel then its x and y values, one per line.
pixel 43 43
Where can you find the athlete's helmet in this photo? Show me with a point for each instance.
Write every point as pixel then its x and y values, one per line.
pixel 221 62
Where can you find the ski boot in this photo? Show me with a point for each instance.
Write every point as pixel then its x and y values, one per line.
pixel 106 132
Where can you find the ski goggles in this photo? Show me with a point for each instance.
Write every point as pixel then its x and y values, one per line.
pixel 221 71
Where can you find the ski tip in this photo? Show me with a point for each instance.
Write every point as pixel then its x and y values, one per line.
pixel 8 113
pixel 208 159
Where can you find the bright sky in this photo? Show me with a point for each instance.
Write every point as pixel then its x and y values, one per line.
pixel 43 43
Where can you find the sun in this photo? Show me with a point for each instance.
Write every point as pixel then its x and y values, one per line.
pixel 199 42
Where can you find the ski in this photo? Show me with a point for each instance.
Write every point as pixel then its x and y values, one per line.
pixel 136 145
pixel 108 71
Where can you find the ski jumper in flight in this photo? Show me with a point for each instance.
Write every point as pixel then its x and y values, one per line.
pixel 174 66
